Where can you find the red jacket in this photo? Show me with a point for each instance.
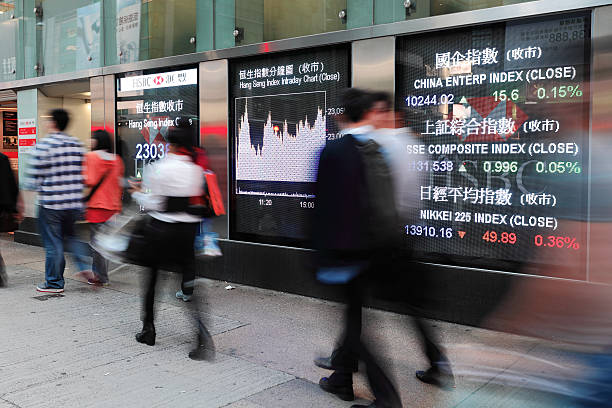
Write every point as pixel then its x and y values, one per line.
pixel 108 195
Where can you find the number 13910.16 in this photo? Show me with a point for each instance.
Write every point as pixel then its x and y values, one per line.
pixel 145 151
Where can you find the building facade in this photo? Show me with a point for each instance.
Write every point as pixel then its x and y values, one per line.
pixel 501 94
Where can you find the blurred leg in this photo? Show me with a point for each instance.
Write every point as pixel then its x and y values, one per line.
pixel 79 249
pixel 50 227
pixel 99 263
pixel 3 275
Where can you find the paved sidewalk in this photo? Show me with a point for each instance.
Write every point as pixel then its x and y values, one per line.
pixel 78 350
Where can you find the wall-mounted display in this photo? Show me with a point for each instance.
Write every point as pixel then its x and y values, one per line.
pixel 503 112
pixel 282 110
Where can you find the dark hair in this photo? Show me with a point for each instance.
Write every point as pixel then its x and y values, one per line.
pixel 356 103
pixel 60 118
pixel 182 134
pixel 380 96
pixel 103 139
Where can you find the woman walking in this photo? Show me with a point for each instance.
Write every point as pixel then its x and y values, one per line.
pixel 175 186
pixel 102 172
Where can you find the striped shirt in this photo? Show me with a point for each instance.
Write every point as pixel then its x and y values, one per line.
pixel 56 172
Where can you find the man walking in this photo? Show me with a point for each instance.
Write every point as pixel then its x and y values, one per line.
pixel 354 224
pixel 57 175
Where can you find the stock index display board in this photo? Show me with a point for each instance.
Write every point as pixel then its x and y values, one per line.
pixel 502 114
pixel 282 110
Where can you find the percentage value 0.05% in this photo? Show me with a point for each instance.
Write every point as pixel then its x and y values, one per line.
pixel 563 91
pixel 554 241
pixel 558 167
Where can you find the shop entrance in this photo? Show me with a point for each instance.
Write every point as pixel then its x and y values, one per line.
pixel 74 97
pixel 8 127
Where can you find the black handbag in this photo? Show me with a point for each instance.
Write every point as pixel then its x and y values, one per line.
pixel 137 250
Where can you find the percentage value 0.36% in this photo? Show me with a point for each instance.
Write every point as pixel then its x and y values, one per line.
pixel 554 241
pixel 558 167
pixel 562 91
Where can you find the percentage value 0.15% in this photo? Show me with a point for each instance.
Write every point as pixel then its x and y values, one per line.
pixel 562 91
pixel 558 167
pixel 554 241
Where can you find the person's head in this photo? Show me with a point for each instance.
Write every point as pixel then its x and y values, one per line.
pixel 181 135
pixel 356 104
pixel 101 140
pixel 58 120
pixel 381 115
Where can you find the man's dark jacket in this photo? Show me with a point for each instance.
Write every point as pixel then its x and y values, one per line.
pixel 341 213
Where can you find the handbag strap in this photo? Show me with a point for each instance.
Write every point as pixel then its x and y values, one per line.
pixel 95 188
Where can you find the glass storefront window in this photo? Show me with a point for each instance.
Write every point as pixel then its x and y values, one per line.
pixel 70 36
pixel 139 30
pixel 386 11
pixel 268 20
pixel 46 37
pixel 9 30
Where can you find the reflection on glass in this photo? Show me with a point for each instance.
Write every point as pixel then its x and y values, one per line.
pixel 386 11
pixel 8 33
pixel 140 30
pixel 70 35
pixel 453 6
pixel 267 20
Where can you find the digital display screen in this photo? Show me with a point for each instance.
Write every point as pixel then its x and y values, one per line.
pixel 282 112
pixel 148 104
pixel 502 114
pixel 9 129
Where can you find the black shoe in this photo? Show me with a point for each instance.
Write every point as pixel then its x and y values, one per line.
pixel 202 353
pixel 147 335
pixel 372 405
pixel 344 392
pixel 206 346
pixel 434 376
pixel 331 363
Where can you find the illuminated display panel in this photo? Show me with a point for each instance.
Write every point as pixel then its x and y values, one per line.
pixel 282 110
pixel 502 111
pixel 148 104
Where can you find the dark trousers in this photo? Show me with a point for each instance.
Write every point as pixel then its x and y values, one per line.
pixel 353 349
pixel 3 276
pixel 99 264
pixel 171 244
pixel 428 342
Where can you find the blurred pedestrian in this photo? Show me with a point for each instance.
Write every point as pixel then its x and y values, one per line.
pixel 175 186
pixel 57 174
pixel 409 280
pixel 353 232
pixel 11 206
pixel 103 173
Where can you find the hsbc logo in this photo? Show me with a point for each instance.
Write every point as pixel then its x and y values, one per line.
pixel 160 80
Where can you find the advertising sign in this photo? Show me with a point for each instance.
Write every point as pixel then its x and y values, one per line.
pixel 128 30
pixel 27 135
pixel 143 120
